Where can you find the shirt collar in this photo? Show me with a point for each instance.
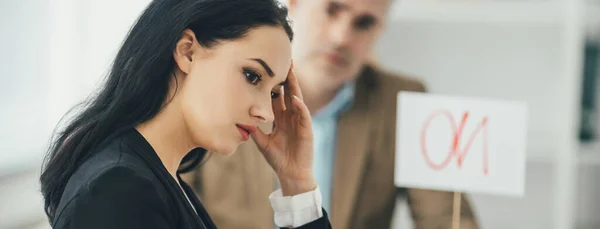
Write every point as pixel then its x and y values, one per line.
pixel 340 103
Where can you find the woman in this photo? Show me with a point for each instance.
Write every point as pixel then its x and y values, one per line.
pixel 192 76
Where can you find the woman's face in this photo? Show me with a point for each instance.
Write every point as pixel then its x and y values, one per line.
pixel 228 89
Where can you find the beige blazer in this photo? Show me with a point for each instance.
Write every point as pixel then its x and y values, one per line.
pixel 235 188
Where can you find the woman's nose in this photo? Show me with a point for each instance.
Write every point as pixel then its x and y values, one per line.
pixel 263 112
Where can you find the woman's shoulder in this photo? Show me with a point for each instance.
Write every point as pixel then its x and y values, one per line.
pixel 103 166
pixel 111 180
pixel 112 195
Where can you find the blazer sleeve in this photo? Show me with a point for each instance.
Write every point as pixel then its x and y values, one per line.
pixel 120 198
pixel 321 223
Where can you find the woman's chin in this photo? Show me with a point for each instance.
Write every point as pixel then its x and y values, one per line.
pixel 226 150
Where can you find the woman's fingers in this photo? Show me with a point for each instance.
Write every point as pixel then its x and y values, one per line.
pixel 292 83
pixel 304 114
pixel 287 96
pixel 291 87
pixel 261 139
pixel 278 108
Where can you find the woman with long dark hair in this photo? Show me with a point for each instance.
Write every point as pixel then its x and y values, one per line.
pixel 191 76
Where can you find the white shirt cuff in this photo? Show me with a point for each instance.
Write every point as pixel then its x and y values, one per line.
pixel 298 210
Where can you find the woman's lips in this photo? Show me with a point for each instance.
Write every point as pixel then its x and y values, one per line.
pixel 245 131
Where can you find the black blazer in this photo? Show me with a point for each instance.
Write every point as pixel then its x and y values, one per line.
pixel 124 185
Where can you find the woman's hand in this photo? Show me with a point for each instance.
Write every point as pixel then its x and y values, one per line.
pixel 289 147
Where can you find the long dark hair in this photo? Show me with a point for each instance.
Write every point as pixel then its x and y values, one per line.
pixel 138 82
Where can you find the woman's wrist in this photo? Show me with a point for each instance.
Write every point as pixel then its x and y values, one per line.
pixel 295 186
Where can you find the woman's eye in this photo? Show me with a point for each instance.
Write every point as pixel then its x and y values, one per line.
pixel 274 95
pixel 252 77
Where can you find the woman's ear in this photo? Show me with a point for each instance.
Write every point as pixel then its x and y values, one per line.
pixel 184 51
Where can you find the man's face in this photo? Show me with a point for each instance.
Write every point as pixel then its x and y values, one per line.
pixel 334 38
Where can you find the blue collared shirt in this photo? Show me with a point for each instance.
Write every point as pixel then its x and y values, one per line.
pixel 324 124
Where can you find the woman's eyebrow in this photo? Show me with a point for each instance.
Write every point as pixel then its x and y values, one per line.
pixel 265 66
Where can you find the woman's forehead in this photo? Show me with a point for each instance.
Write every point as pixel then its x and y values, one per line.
pixel 270 44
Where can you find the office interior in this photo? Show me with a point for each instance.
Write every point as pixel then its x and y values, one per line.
pixel 545 53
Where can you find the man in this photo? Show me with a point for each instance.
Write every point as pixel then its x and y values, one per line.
pixel 353 105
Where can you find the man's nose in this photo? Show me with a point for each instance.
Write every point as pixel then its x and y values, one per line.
pixel 341 33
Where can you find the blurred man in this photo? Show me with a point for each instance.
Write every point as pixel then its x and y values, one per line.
pixel 353 105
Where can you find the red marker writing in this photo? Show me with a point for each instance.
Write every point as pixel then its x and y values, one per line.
pixel 457 132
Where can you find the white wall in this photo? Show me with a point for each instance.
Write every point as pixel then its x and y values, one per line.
pixel 518 63
pixel 24 33
pixel 53 54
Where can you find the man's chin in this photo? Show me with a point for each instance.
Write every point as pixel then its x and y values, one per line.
pixel 336 77
pixel 342 71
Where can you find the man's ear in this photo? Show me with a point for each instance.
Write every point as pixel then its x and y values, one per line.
pixel 184 50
